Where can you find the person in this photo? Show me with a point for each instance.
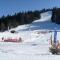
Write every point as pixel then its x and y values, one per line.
pixel 2 38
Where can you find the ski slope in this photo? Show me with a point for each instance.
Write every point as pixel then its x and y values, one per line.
pixel 35 41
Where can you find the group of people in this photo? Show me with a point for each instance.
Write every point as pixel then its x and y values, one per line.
pixel 11 39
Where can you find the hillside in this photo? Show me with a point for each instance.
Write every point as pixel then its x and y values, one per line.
pixel 35 40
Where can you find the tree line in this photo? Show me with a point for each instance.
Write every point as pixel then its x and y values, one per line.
pixel 20 19
pixel 56 15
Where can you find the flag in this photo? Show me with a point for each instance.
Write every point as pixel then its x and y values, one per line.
pixel 55 36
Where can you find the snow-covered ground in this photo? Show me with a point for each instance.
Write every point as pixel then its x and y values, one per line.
pixel 35 41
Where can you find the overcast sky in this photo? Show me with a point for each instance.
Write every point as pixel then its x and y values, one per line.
pixel 12 6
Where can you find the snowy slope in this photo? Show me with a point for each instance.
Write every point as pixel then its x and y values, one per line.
pixel 36 41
